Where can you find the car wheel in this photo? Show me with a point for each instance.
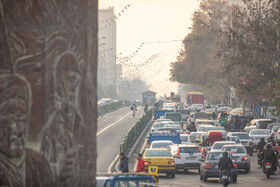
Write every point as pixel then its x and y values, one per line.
pixel 204 179
pixel 201 176
pixel 198 170
pixel 186 170
pixel 234 179
pixel 247 170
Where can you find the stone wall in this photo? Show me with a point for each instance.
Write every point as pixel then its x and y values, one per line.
pixel 48 59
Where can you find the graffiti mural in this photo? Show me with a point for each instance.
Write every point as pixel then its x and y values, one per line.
pixel 47 93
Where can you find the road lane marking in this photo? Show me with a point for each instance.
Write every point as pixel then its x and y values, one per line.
pixel 100 132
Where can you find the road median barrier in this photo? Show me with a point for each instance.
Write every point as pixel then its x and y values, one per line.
pixel 112 107
pixel 135 131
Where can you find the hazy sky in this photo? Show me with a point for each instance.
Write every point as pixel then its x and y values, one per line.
pixel 152 21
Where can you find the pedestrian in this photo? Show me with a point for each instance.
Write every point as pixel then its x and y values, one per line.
pixel 123 167
pixel 146 108
pixel 140 163
pixel 237 124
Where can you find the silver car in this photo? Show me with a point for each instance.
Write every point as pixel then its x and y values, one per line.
pixel 256 134
pixel 239 155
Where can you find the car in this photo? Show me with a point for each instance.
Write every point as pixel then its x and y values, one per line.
pixel 210 167
pixel 256 134
pixel 210 111
pixel 178 128
pixel 234 139
pixel 187 139
pixel 217 146
pixel 202 128
pixel 236 111
pixel 239 155
pixel 223 132
pixel 204 122
pixel 197 135
pixel 210 128
pixel 270 127
pixel 157 125
pixel 161 144
pixel 176 117
pixel 162 158
pixel 187 157
pixel 257 124
pixel 224 110
pixel 246 140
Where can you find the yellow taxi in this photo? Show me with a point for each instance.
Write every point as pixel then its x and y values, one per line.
pixel 237 111
pixel 161 158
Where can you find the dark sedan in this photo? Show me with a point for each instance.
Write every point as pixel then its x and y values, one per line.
pixel 210 169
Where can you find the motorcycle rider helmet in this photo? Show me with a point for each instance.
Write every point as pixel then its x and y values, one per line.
pixel 268 146
pixel 225 153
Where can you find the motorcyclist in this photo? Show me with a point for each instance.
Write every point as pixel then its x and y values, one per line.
pixel 146 108
pixel 225 163
pixel 269 155
pixel 261 145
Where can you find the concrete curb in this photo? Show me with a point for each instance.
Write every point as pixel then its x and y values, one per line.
pixel 115 163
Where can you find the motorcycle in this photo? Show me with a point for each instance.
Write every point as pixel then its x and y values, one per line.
pixel 259 159
pixel 225 179
pixel 268 168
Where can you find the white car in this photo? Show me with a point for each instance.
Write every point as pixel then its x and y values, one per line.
pixel 239 155
pixel 187 139
pixel 256 134
pixel 245 139
pixel 197 106
pixel 218 145
pixel 257 124
pixel 158 125
pixel 270 127
pixel 161 144
pixel 186 156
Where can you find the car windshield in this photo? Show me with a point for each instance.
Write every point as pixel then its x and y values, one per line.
pixel 158 153
pixel 197 105
pixel 270 126
pixel 189 150
pixel 201 116
pixel 161 144
pixel 158 124
pixel 242 136
pixel 220 145
pixel 210 110
pixel 184 138
pixel 263 124
pixel 173 117
pixel 234 149
pixel 223 109
pixel 214 156
pixel 214 128
pixel 259 132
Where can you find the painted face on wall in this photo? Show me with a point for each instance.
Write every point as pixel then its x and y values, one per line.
pixel 14 115
pixel 68 80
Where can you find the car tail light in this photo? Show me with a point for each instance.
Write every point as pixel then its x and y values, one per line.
pixel 202 155
pixel 244 158
pixel 178 154
pixel 147 162
pixel 251 143
pixel 268 163
pixel 204 150
pixel 171 162
pixel 208 166
pixel 235 165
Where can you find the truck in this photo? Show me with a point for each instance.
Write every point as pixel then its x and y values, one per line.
pixel 155 136
pixel 194 98
pixel 159 113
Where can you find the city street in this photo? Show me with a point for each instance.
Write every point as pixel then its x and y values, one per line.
pixel 255 178
pixel 112 129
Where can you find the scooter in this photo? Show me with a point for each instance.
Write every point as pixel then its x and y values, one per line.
pixel 225 180
pixel 268 168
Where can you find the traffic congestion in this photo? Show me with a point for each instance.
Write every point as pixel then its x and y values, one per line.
pixel 200 141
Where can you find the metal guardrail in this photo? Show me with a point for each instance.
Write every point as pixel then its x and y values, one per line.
pixel 134 132
pixel 112 106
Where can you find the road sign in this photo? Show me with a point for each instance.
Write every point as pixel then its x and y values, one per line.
pixel 153 170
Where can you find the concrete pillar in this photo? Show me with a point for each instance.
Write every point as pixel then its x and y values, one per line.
pixel 48 92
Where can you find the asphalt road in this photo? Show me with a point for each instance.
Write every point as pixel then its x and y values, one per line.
pixel 112 129
pixel 255 178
